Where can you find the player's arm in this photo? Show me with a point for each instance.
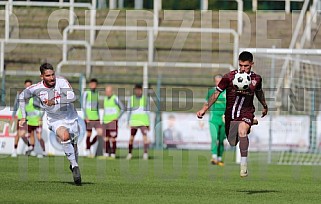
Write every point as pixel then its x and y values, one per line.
pixel 209 103
pixel 260 96
pixel 213 98
pixel 129 109
pixel 84 104
pixel 121 106
pixel 23 97
pixel 15 106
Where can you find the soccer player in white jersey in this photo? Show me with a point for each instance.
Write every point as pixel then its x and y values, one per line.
pixel 57 97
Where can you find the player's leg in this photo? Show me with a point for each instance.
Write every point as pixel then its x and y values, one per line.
pixel 114 147
pixel 16 141
pixel 31 134
pixel 213 132
pixel 41 142
pixel 231 129
pixel 68 146
pixel 113 134
pixel 244 145
pixel 220 147
pixel 106 139
pixel 107 145
pixel 99 130
pixel 21 132
pixel 133 131
pixel 144 130
pixel 88 136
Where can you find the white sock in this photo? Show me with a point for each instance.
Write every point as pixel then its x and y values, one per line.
pixel 243 160
pixel 70 153
pixel 219 158
pixel 214 156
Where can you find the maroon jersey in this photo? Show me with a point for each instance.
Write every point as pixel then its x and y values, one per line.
pixel 239 104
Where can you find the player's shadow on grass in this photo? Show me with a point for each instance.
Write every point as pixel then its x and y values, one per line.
pixel 67 182
pixel 252 192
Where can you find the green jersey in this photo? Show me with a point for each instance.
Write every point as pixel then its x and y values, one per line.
pixel 218 108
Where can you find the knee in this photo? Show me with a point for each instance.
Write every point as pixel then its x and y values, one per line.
pixel 99 131
pixel 243 129
pixel 113 139
pixel 63 134
pixel 131 139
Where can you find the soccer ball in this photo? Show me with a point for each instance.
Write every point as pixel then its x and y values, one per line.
pixel 242 81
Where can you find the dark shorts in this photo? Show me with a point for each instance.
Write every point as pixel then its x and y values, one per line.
pixel 231 125
pixel 34 128
pixel 110 129
pixel 92 124
pixel 143 129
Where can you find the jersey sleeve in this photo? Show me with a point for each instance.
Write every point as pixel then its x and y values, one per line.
pixel 259 84
pixel 23 97
pixel 224 83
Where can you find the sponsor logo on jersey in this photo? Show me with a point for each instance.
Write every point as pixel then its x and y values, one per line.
pixel 246 120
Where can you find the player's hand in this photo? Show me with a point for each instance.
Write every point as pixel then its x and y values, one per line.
pixel 87 120
pixel 49 102
pixel 200 114
pixel 264 112
pixel 22 122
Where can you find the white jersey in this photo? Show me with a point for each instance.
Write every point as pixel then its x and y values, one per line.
pixel 63 95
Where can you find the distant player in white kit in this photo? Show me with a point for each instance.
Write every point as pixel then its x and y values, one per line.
pixel 57 97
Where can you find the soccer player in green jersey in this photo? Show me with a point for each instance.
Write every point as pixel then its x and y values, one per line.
pixel 217 123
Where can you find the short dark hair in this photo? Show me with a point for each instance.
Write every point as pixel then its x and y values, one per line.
pixel 246 56
pixel 28 81
pixel 45 66
pixel 93 80
pixel 217 75
pixel 138 86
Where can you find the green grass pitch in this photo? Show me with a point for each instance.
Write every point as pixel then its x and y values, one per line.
pixel 169 176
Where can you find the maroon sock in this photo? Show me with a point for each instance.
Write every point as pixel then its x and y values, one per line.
pixel 114 148
pixel 107 147
pixel 42 144
pixel 130 148
pixel 244 146
pixel 146 148
pixel 94 140
pixel 15 146
pixel 88 142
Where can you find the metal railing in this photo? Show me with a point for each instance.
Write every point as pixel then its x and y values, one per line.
pixel 71 5
pixel 41 42
pixel 151 41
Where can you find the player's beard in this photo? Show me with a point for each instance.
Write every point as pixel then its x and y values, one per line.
pixel 51 83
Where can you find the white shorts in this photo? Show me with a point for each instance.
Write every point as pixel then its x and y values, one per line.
pixel 72 127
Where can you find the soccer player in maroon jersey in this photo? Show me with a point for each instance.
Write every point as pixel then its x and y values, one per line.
pixel 239 112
